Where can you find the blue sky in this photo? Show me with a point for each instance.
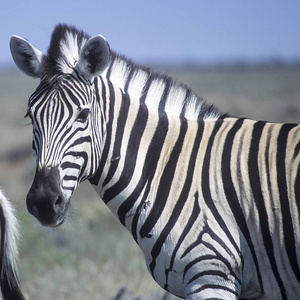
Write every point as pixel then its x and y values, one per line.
pixel 201 31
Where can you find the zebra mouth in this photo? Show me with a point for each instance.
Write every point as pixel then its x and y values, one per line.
pixel 45 200
pixel 49 215
pixel 62 211
pixel 54 219
pixel 61 215
pixel 62 221
pixel 57 220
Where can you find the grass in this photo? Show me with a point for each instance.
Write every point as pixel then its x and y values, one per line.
pixel 92 256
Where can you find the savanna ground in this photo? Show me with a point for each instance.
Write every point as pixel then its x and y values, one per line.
pixel 92 256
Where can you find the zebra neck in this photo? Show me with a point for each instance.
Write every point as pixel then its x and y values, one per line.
pixel 147 113
pixel 131 156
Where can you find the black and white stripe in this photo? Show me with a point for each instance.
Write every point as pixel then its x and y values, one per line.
pixel 9 281
pixel 213 201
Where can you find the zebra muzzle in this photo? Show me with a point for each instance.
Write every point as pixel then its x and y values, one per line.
pixel 45 200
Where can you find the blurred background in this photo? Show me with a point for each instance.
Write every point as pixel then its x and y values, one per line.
pixel 242 56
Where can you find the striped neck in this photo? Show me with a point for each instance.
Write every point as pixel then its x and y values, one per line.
pixel 146 114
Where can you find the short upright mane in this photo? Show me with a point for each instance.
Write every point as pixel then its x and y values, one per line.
pixel 166 94
pixel 63 52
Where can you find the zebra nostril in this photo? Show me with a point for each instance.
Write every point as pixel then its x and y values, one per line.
pixel 58 203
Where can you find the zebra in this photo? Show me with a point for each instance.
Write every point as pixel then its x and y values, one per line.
pixel 212 200
pixel 9 280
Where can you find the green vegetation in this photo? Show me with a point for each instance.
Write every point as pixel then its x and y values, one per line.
pixel 92 256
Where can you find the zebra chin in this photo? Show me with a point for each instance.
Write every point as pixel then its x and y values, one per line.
pixel 45 200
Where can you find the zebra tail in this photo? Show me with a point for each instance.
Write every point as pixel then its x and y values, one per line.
pixel 9 281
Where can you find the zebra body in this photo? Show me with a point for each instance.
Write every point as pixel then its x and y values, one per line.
pixel 212 201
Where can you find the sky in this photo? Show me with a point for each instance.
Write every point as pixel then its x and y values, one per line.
pixel 164 31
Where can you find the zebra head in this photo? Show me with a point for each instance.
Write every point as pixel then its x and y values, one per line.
pixel 62 112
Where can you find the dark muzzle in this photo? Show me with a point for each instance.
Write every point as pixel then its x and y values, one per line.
pixel 45 200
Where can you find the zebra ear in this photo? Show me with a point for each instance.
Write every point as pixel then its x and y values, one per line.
pixel 27 58
pixel 94 57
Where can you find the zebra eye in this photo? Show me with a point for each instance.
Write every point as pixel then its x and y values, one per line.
pixel 83 115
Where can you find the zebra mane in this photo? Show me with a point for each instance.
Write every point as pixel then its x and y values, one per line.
pixel 163 91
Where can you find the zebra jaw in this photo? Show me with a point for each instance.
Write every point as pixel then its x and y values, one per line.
pixel 45 200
